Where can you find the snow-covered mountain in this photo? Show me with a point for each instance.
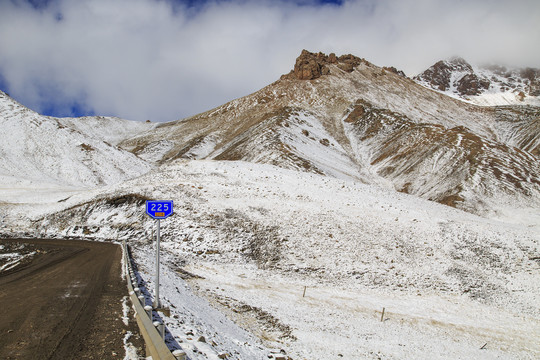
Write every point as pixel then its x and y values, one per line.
pixel 484 85
pixel 76 152
pixel 347 118
pixel 302 211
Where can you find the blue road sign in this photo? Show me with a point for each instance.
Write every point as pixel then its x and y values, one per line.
pixel 159 209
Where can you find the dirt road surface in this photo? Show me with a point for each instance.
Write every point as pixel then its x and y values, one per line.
pixel 65 303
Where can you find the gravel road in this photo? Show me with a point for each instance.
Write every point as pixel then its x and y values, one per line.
pixel 63 302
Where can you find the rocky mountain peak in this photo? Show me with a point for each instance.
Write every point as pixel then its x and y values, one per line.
pixel 311 66
pixel 442 76
pixel 458 63
pixel 504 86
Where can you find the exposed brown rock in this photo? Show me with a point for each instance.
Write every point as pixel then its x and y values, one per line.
pixel 350 59
pixel 332 59
pixel 394 70
pixel 348 67
pixel 308 66
pixel 311 66
pixel 439 75
pixel 356 114
pixel 471 84
pixel 325 70
pixel 533 75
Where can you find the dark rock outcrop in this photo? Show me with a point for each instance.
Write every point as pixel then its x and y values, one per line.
pixel 471 84
pixel 439 75
pixel 311 66
pixel 394 70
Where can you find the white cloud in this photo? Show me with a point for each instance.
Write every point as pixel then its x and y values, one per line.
pixel 139 59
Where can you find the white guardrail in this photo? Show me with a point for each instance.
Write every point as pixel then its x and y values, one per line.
pixel 153 333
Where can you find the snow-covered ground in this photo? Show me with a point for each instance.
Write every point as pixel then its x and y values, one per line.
pixel 246 240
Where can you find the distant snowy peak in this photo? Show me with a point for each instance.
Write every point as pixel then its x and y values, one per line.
pixel 485 85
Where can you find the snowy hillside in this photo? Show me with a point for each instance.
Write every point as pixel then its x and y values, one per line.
pixel 64 151
pixel 248 238
pixel 109 129
pixel 453 166
pixel 489 85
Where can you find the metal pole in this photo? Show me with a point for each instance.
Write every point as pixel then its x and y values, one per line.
pixel 157 303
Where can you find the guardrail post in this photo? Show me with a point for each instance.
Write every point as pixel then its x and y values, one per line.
pixel 160 328
pixel 179 354
pixel 148 310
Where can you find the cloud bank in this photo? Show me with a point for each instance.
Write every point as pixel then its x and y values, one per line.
pixel 165 59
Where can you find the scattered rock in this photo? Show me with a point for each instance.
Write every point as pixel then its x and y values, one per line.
pixel 201 339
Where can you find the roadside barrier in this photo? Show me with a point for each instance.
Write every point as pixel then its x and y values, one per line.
pixel 152 332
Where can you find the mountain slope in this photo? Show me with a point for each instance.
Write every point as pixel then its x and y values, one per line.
pixel 345 117
pixel 56 151
pixel 249 238
pixel 485 85
pixel 112 130
pixel 453 166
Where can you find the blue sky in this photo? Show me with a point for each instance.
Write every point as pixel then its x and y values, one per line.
pixel 167 59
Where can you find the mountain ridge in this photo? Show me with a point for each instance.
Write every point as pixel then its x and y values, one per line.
pixel 367 124
pixel 340 116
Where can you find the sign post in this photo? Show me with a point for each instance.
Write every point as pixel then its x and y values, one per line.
pixel 158 209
